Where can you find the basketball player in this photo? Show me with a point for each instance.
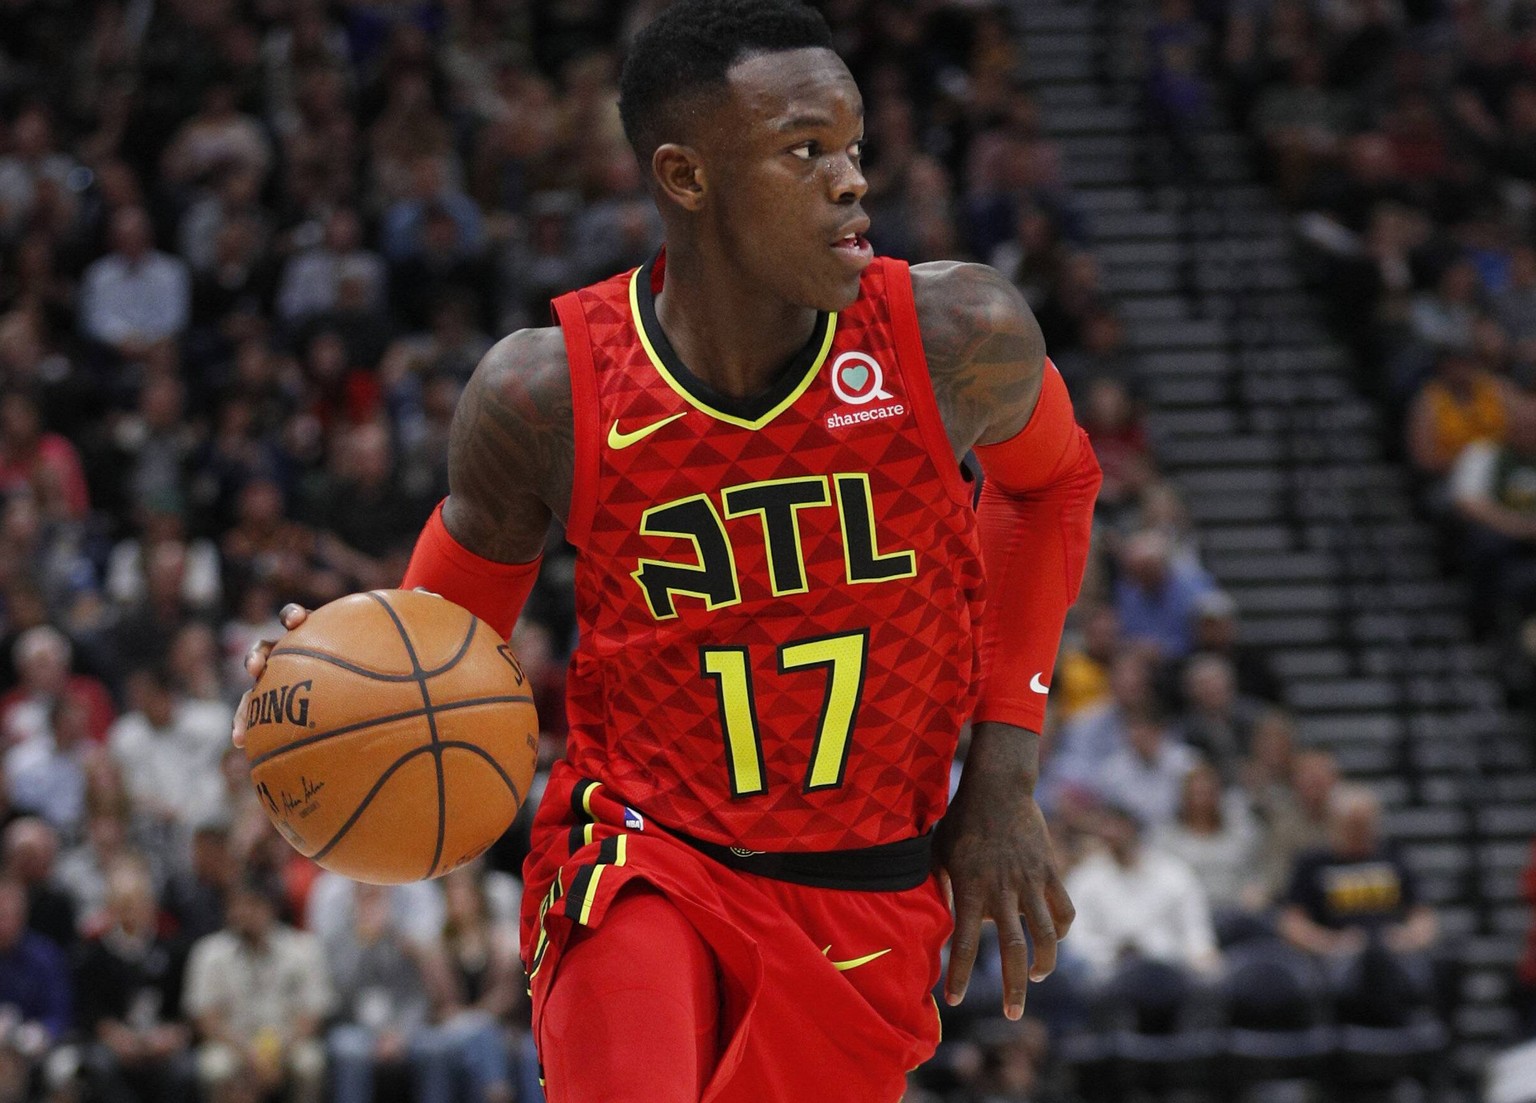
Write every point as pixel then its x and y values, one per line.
pixel 741 881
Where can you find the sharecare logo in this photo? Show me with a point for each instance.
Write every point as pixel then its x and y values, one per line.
pixel 857 378
pixel 879 413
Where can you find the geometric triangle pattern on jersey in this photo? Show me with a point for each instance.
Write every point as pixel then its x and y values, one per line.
pixel 657 696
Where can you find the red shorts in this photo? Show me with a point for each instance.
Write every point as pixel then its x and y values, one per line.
pixel 825 993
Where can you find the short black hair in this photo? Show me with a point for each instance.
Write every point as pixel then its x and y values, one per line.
pixel 691 46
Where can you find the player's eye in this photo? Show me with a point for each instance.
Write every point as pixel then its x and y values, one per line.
pixel 806 150
pixel 859 148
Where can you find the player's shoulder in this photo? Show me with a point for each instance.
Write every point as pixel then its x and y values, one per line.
pixel 529 361
pixel 964 293
pixel 983 347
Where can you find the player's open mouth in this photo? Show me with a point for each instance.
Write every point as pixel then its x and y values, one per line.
pixel 854 248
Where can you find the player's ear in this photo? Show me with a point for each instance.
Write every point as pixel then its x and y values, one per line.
pixel 680 172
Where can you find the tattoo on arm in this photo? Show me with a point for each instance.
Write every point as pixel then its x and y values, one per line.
pixel 984 349
pixel 511 450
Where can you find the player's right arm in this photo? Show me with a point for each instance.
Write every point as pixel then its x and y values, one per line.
pixel 511 454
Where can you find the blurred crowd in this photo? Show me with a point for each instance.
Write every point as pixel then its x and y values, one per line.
pixel 250 250
pixel 1403 135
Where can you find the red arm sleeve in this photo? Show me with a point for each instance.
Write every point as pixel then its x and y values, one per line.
pixel 1035 519
pixel 494 592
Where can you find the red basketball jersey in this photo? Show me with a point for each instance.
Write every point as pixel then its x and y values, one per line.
pixel 778 598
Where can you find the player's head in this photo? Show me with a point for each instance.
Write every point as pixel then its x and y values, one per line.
pixel 750 128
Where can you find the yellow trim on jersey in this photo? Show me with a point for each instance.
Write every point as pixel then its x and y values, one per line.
pixel 686 396
pixel 591 894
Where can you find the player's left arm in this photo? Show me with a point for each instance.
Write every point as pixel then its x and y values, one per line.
pixel 999 395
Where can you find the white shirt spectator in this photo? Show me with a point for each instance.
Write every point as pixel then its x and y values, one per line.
pixel 126 301
pixel 1154 908
pixel 173 769
pixel 258 989
pixel 47 781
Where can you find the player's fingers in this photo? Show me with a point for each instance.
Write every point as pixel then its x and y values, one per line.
pixel 1043 934
pixel 292 615
pixel 1063 911
pixel 1014 948
pixel 256 657
pixel 963 946
pixel 237 729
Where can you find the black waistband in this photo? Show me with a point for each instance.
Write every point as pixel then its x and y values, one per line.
pixel 889 867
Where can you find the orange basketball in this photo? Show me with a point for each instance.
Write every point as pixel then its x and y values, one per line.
pixel 392 736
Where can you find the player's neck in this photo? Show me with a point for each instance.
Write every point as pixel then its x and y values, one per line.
pixel 732 336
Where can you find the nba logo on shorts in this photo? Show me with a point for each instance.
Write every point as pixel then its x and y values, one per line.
pixel 633 820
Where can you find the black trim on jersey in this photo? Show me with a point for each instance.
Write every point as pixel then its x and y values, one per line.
pixel 748 409
pixel 887 867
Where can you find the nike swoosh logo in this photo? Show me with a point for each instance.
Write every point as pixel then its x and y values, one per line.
pixel 854 963
pixel 1037 685
pixel 618 439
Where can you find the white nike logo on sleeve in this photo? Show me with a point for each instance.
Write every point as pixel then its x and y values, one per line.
pixel 1037 685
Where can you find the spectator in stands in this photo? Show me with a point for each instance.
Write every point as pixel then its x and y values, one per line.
pixel 136 1048
pixel 1302 122
pixel 194 897
pixel 31 160
pixel 1266 773
pixel 1493 491
pixel 1156 595
pixel 34 989
pixel 1217 720
pixel 484 982
pixel 217 137
pixel 365 518
pixel 1076 758
pixel 36 461
pixel 134 296
pixel 1082 672
pixel 1119 439
pixel 84 870
pixel 1147 774
pixel 1298 815
pixel 388 991
pixel 416 908
pixel 30 849
pixel 312 279
pixel 1355 906
pixel 1216 634
pixel 1459 406
pixel 47 774
pixel 1214 833
pixel 1101 355
pixel 257 993
pixel 1136 906
pixel 169 748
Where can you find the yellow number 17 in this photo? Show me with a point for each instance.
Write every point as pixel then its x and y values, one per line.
pixel 842 657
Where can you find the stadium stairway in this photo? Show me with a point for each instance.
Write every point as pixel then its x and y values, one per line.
pixel 1300 513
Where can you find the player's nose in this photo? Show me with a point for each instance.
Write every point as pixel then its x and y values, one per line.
pixel 848 183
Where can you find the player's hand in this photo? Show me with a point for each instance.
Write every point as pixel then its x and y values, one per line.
pixel 256 661
pixel 994 849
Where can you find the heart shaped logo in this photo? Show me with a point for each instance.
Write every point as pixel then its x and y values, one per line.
pixel 857 378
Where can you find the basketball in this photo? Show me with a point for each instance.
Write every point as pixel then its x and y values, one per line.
pixel 392 736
